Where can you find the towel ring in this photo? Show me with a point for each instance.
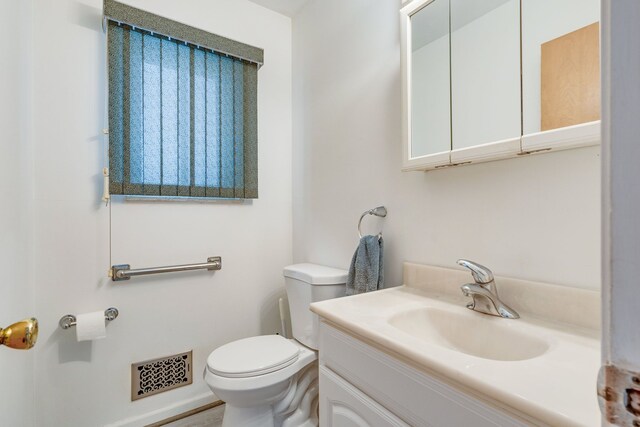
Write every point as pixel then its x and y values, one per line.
pixel 380 211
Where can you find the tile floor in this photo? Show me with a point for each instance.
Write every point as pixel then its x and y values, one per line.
pixel 209 418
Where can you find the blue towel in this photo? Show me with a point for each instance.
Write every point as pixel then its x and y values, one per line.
pixel 365 271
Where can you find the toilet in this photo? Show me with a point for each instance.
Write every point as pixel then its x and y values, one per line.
pixel 269 380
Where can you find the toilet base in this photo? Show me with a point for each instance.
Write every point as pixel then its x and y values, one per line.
pixel 284 398
pixel 257 416
pixel 297 408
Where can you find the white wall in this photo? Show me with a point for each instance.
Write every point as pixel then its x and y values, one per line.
pixel 534 217
pixel 16 387
pixel 620 201
pixel 82 384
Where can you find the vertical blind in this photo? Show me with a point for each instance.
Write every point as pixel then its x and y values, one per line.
pixel 182 118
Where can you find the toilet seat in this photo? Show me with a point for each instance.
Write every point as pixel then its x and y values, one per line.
pixel 251 384
pixel 251 357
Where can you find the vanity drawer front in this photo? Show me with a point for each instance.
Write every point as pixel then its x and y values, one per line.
pixel 415 397
pixel 341 405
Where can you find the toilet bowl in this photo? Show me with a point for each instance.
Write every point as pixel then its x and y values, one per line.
pixel 271 381
pixel 260 399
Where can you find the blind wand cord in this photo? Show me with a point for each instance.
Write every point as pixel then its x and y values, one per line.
pixel 105 186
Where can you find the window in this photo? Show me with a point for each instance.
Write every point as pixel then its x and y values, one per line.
pixel 182 109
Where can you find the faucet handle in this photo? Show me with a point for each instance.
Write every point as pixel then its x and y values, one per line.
pixel 481 274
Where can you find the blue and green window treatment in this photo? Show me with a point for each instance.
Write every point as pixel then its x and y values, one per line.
pixel 182 109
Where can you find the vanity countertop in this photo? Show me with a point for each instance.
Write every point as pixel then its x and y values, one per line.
pixel 557 387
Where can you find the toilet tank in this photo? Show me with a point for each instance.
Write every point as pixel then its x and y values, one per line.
pixel 307 283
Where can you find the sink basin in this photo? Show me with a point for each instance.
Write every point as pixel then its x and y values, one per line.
pixel 471 333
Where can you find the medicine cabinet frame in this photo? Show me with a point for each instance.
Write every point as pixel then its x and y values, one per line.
pixel 569 137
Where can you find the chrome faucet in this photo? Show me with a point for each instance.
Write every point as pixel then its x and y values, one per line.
pixel 484 293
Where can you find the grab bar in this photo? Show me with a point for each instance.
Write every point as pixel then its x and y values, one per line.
pixel 124 271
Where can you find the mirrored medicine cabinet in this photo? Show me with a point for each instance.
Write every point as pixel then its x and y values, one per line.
pixel 491 79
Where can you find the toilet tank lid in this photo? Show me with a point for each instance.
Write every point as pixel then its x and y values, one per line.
pixel 315 274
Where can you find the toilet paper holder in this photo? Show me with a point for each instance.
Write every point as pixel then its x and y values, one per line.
pixel 69 320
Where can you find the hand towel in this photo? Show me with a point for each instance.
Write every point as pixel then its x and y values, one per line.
pixel 365 271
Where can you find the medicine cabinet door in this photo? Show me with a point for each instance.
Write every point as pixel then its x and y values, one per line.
pixel 428 80
pixel 485 75
pixel 560 63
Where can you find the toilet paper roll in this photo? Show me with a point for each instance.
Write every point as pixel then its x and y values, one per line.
pixel 91 326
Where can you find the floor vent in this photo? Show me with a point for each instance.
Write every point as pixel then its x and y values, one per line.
pixel 163 374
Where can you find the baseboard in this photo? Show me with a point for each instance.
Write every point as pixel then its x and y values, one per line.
pixel 167 412
pixel 187 414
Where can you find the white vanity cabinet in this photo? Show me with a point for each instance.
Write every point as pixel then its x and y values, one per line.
pixel 361 385
pixel 343 405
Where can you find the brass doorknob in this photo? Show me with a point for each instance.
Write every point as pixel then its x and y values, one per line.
pixel 21 335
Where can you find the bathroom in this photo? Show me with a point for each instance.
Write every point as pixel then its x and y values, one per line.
pixel 330 137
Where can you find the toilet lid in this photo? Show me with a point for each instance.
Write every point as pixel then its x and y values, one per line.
pixel 253 356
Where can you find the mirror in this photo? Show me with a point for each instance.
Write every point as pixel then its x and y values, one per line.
pixel 487 79
pixel 485 71
pixel 430 80
pixel 560 63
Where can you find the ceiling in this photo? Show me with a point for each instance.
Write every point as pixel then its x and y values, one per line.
pixel 286 7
